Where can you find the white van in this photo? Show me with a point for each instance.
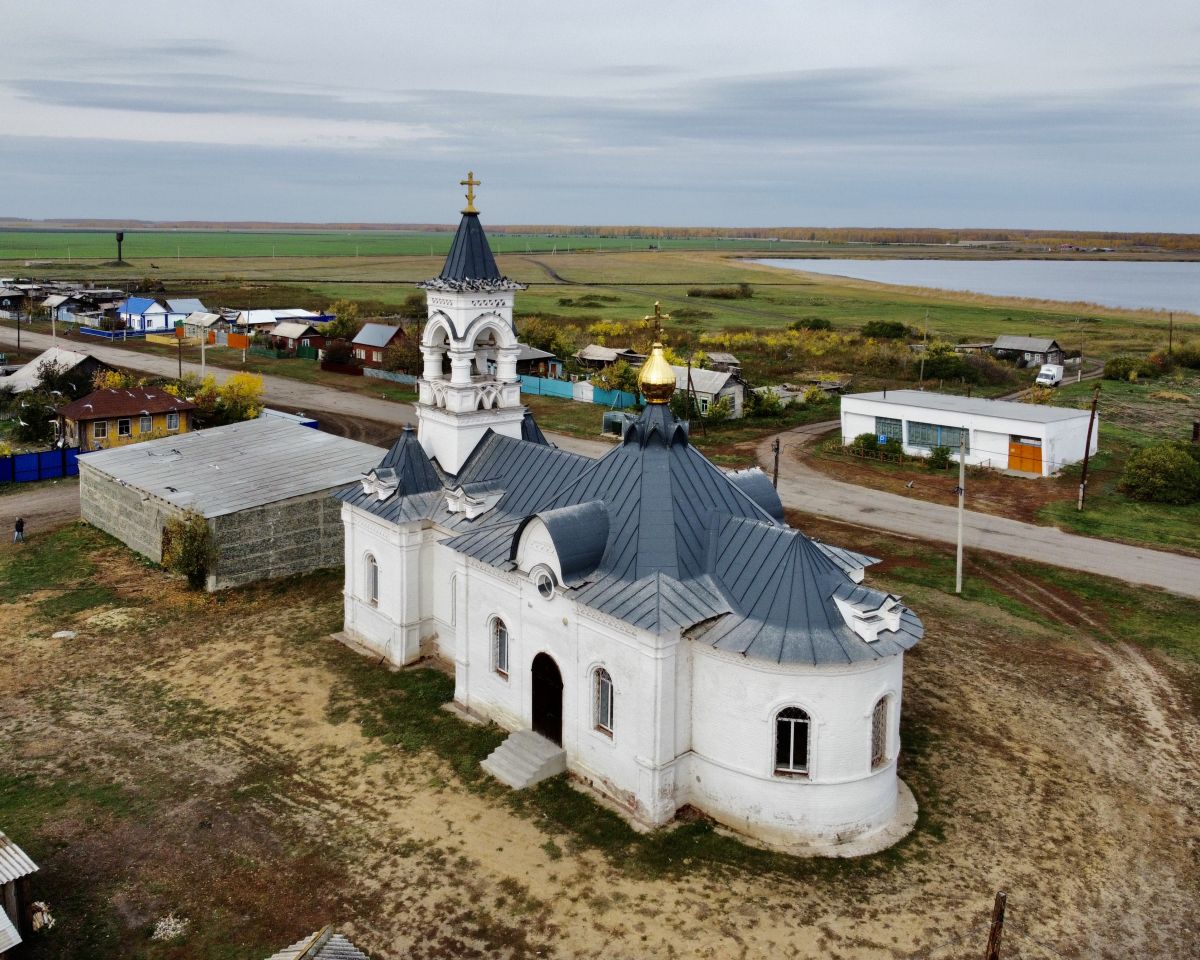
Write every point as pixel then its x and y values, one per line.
pixel 1050 375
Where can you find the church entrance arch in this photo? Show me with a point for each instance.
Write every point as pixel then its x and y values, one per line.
pixel 547 698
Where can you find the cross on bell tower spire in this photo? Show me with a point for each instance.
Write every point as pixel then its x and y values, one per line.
pixel 470 183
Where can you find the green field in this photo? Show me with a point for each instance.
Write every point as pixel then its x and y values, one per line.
pixel 147 244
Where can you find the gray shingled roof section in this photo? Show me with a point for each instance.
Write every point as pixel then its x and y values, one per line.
pixel 657 602
pixel 375 335
pixel 758 487
pixel 322 945
pixel 703 381
pixel 978 406
pixel 222 470
pixel 414 470
pixel 186 305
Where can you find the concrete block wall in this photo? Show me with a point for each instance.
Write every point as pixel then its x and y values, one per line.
pixel 121 511
pixel 279 539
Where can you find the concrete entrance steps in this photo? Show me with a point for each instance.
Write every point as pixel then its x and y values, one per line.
pixel 524 759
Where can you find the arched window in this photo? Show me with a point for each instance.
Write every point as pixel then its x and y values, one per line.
pixel 791 741
pixel 499 647
pixel 372 574
pixel 879 725
pixel 603 699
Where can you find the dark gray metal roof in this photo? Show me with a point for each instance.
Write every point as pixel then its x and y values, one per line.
pixel 469 264
pixel 656 536
pixel 531 432
pixel 757 486
pixel 579 533
pixel 375 335
pixel 414 471
pixel 1010 341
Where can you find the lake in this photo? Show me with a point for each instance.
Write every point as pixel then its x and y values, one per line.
pixel 1135 284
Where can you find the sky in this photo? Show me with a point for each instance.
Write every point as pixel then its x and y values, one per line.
pixel 1054 114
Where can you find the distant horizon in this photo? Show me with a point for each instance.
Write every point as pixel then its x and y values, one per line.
pixel 89 224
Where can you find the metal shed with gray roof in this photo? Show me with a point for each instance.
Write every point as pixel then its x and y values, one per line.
pixel 263 486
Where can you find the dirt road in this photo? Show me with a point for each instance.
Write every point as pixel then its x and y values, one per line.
pixel 44 506
pixel 803 488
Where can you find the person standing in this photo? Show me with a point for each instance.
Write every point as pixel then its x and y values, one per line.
pixel 19 530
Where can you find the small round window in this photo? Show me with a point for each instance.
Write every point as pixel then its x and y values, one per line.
pixel 545 584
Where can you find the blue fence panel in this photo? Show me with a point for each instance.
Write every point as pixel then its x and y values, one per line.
pixel 545 387
pixel 389 375
pixel 44 465
pixel 614 399
pixel 114 334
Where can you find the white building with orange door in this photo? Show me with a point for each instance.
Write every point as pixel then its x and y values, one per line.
pixel 1002 434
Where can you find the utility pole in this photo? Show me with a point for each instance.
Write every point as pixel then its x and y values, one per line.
pixel 1170 334
pixel 961 490
pixel 203 345
pixel 179 349
pixel 1087 447
pixel 775 476
pixel 993 944
pixel 924 347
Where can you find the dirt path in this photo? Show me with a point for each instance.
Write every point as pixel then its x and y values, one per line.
pixel 44 505
pixel 803 488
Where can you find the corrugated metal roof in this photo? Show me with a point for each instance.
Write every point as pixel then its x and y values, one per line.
pixel 125 402
pixel 14 862
pixel 186 305
pixel 1032 344
pixel 139 305
pixel 703 381
pixel 758 487
pixel 28 377
pixel 293 330
pixel 375 335
pixel 322 945
pixel 226 469
pixel 976 406
pixel 202 319
pixel 9 937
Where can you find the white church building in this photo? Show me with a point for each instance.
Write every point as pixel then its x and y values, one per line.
pixel 646 621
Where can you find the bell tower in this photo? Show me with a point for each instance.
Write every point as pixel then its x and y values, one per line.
pixel 469 384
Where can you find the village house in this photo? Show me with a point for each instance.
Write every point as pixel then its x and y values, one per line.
pixel 1028 351
pixel 371 342
pixel 597 357
pixel 112 418
pixel 711 386
pixel 724 362
pixel 82 367
pixel 645 621
pixel 16 919
pixel 202 323
pixel 1020 437
pixel 295 333
pixel 531 362
pixel 144 315
pixel 179 309
pixel 263 486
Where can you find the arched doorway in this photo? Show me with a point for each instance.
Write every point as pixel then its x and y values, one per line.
pixel 547 698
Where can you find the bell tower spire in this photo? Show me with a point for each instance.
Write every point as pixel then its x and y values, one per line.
pixel 469 328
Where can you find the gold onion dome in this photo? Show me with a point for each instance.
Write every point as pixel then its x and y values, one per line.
pixel 657 379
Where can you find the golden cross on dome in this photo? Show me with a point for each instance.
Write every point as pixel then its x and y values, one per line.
pixel 658 318
pixel 470 183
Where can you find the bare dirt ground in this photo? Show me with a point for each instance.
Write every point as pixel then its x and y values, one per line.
pixel 44 505
pixel 208 756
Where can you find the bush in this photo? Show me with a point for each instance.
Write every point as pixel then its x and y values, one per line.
pixel 765 404
pixel 815 394
pixel 1188 355
pixel 720 411
pixel 943 362
pixel 884 330
pixel 338 351
pixel 1125 367
pixel 865 443
pixel 939 458
pixel 1039 395
pixel 743 291
pixel 403 355
pixel 1163 473
pixel 188 548
pixel 811 323
pixel 1160 362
